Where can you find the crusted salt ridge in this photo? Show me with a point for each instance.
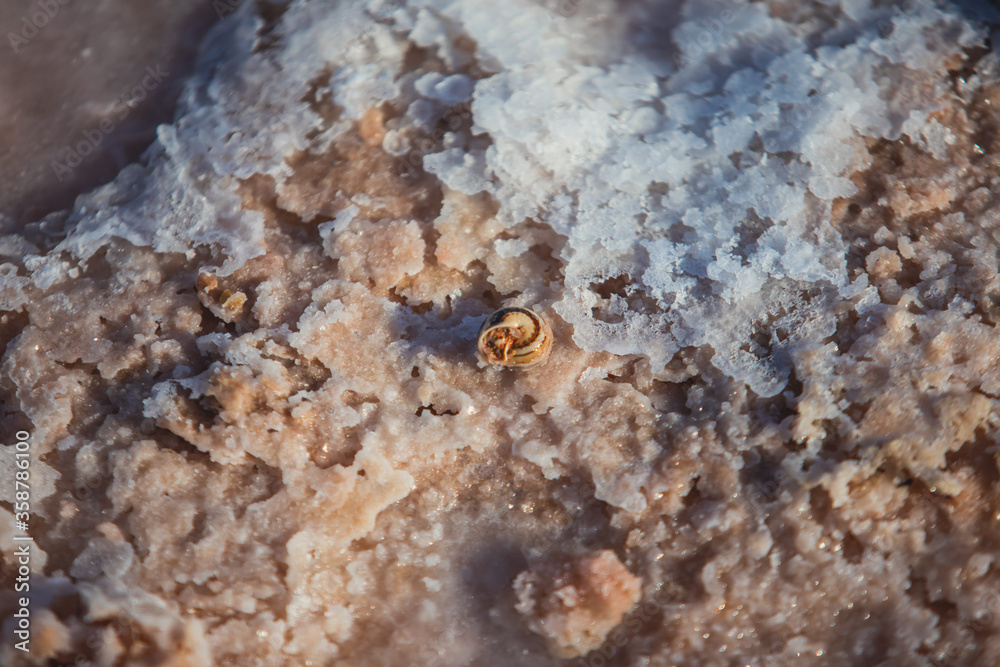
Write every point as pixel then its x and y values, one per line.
pixel 738 165
pixel 657 163
pixel 738 149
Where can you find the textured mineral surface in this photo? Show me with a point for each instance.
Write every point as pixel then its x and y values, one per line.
pixel 766 236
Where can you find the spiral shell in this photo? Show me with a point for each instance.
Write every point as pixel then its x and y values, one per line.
pixel 515 337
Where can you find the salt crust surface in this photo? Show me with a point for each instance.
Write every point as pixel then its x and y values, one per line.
pixel 765 237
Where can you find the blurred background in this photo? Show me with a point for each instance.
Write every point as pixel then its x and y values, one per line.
pixel 83 85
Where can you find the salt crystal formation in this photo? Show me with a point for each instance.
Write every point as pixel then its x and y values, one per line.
pixel 765 235
pixel 577 603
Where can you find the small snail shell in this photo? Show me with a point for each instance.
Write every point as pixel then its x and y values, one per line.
pixel 515 337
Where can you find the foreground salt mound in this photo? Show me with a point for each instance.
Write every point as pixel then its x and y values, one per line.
pixel 764 234
pixel 576 604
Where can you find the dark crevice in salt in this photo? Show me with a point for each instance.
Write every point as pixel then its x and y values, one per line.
pixel 270 11
pixel 261 482
pixel 977 457
pixel 762 477
pixel 319 98
pixel 418 308
pixel 748 232
pixel 12 323
pixel 434 411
